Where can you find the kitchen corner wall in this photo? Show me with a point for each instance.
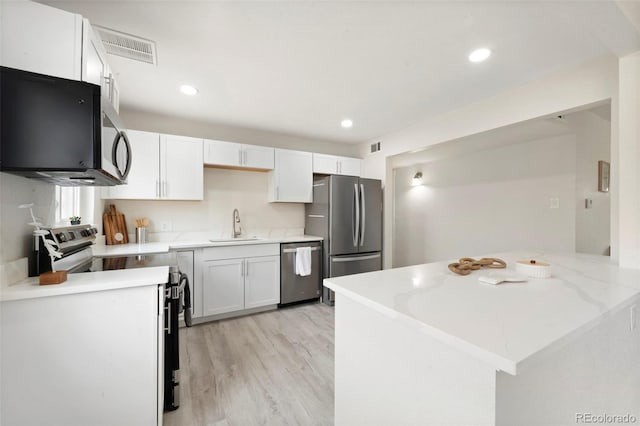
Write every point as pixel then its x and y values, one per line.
pixel 224 190
pixel 487 201
pixel 15 233
pixel 593 137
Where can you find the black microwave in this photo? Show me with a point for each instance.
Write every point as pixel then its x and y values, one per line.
pixel 60 131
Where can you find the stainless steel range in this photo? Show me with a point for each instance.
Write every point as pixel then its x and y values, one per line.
pixel 74 242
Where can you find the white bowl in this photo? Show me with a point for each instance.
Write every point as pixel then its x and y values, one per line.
pixel 533 268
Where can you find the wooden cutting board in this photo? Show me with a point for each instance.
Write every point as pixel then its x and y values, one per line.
pixel 115 227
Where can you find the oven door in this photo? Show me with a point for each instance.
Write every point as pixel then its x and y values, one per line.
pixel 116 150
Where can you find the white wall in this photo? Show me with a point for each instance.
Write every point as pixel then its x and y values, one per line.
pixel 626 178
pixel 224 190
pixel 487 201
pixel 139 120
pixel 593 136
pixel 590 83
pixel 15 234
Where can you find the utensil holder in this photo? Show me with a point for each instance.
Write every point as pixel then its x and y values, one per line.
pixel 141 235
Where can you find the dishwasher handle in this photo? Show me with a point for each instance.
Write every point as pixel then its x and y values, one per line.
pixel 292 250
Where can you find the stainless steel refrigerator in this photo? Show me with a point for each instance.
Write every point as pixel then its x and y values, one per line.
pixel 347 212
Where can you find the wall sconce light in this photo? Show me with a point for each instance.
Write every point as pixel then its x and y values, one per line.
pixel 417 179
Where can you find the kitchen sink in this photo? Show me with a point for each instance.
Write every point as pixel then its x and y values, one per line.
pixel 232 240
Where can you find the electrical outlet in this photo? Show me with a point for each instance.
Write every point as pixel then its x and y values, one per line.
pixel 554 203
pixel 588 203
pixel 165 226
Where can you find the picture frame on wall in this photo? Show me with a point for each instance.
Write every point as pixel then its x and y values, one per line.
pixel 603 176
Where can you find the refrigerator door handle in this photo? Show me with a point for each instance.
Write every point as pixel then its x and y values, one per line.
pixel 364 211
pixel 356 228
pixel 355 258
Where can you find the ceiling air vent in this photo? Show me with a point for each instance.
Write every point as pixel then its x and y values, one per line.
pixel 127 45
pixel 375 147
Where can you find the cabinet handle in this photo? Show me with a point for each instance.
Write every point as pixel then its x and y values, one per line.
pixel 164 188
pixel 246 268
pixel 277 192
pixel 157 188
pixel 245 157
pixel 242 271
pixel 337 166
pixel 240 157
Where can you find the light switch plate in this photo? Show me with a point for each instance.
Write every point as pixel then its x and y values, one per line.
pixel 554 203
pixel 165 226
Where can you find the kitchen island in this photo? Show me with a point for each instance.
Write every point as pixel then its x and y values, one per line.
pixel 421 345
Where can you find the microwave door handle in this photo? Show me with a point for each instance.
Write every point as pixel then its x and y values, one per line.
pixel 122 137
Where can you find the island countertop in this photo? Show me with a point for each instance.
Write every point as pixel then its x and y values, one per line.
pixel 505 325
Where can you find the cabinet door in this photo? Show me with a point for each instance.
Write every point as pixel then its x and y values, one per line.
pixel 143 181
pixel 220 153
pixel 292 177
pixel 325 164
pixel 262 281
pixel 41 39
pixel 94 60
pixel 349 166
pixel 222 286
pixel 258 157
pixel 181 171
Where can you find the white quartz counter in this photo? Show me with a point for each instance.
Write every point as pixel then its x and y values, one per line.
pixel 87 282
pixel 505 325
pixel 164 247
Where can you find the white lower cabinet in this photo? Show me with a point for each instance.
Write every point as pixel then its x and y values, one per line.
pixel 223 289
pixel 235 279
pixel 261 281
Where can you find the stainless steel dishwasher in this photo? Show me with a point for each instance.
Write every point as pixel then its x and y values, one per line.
pixel 295 288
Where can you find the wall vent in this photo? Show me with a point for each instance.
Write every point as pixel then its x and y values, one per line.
pixel 127 45
pixel 375 147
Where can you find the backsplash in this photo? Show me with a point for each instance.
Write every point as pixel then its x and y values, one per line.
pixel 224 190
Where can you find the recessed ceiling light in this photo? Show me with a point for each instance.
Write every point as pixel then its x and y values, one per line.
pixel 346 123
pixel 479 55
pixel 188 90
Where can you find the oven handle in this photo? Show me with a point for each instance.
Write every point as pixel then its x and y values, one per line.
pixel 168 317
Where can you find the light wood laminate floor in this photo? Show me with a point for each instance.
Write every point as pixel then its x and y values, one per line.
pixel 273 368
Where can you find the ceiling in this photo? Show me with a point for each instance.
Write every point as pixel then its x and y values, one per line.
pixel 300 67
pixel 525 131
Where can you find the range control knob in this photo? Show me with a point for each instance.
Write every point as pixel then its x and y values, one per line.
pixel 94 231
pixel 72 236
pixel 61 237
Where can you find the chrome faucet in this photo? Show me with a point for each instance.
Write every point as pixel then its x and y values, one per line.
pixel 236 221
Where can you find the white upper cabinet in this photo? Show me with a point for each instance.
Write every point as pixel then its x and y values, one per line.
pixel 163 167
pixel 181 170
pixel 231 154
pixel 292 177
pixel 336 165
pixel 143 181
pixel 94 59
pixel 41 39
pixel 45 40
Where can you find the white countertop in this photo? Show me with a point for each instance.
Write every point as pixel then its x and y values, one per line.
pixel 164 247
pixel 86 282
pixel 506 325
